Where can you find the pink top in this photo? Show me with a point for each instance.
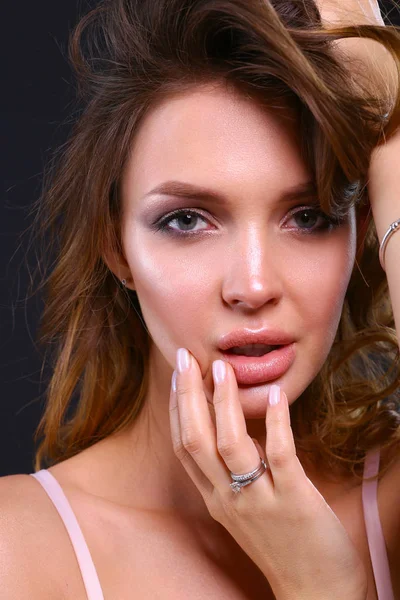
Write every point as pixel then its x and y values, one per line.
pixel 376 540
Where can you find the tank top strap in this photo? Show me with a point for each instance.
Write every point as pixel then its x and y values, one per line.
pixel 376 540
pixel 62 505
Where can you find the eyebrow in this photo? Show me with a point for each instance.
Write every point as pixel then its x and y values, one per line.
pixel 195 192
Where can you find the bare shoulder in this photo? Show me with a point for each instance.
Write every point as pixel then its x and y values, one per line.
pixel 27 546
pixel 389 500
pixel 389 512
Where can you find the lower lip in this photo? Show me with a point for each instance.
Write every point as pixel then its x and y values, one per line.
pixel 251 370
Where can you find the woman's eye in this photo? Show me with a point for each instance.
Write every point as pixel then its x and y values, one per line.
pixel 306 220
pixel 186 218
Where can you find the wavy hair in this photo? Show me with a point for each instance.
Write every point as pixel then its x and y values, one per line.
pixel 128 55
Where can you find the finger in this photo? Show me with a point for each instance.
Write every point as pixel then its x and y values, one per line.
pixel 197 430
pixel 260 449
pixel 234 444
pixel 286 469
pixel 195 473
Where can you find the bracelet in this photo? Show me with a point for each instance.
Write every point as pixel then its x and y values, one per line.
pixel 393 227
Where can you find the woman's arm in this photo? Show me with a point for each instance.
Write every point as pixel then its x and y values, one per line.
pixel 384 195
pixel 384 181
pixel 383 190
pixel 369 59
pixel 337 12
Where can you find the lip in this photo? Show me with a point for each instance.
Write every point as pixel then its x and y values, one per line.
pixel 242 337
pixel 252 370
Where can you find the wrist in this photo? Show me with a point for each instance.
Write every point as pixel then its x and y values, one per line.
pixel 384 186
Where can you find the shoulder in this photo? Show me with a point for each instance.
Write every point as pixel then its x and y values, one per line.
pixel 389 505
pixel 26 542
pixel 389 484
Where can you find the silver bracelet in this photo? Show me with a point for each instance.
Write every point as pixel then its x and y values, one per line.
pixel 393 227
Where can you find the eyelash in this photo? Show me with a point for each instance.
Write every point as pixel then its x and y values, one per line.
pixel 330 223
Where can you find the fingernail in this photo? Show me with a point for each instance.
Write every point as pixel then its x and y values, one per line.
pixel 173 381
pixel 182 360
pixel 274 394
pixel 219 371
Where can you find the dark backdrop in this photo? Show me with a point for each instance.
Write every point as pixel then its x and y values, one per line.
pixel 36 103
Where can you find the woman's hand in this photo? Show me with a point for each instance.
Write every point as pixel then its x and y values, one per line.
pixel 368 61
pixel 280 520
pixel 351 12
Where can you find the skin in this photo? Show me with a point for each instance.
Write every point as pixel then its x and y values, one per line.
pixel 374 66
pixel 252 268
pixel 302 272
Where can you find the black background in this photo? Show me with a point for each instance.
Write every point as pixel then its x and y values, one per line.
pixel 36 104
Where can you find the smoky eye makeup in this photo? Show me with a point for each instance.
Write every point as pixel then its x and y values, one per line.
pixel 309 220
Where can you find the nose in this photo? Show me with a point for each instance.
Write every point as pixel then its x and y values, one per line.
pixel 253 275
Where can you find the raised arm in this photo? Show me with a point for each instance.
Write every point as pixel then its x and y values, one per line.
pixel 384 183
pixel 336 12
pixel 373 61
pixel 383 187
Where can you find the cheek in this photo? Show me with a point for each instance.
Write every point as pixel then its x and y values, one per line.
pixel 325 301
pixel 324 286
pixel 171 291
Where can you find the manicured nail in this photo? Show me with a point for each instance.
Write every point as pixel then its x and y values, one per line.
pixel 173 381
pixel 274 394
pixel 182 360
pixel 219 371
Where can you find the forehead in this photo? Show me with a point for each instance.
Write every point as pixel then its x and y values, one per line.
pixel 213 136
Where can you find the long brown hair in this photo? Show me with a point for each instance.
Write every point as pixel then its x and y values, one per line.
pixel 129 55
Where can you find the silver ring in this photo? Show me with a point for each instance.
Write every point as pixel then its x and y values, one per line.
pixel 240 481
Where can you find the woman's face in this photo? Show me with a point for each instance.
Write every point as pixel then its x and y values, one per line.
pixel 245 262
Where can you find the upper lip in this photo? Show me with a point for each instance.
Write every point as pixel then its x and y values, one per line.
pixel 243 337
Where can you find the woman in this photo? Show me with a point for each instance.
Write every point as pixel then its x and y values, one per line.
pixel 217 193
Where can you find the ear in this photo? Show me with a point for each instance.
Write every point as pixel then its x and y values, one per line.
pixel 117 263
